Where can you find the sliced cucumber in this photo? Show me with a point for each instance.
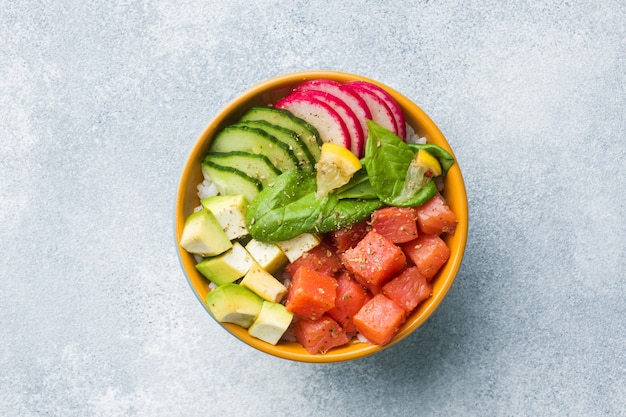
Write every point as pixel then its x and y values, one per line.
pixel 256 141
pixel 279 117
pixel 254 165
pixel 230 181
pixel 296 145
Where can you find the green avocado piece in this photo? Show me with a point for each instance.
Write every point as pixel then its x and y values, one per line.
pixel 227 267
pixel 273 321
pixel 230 212
pixel 203 235
pixel 232 303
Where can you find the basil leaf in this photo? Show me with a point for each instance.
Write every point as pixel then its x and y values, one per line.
pixel 444 157
pixel 284 209
pixel 387 159
pixel 346 213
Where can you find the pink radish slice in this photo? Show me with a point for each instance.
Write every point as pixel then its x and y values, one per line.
pixel 381 114
pixel 353 100
pixel 352 122
pixel 391 103
pixel 324 118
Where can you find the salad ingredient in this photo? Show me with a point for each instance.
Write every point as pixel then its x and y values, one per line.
pixel 380 319
pixel 335 167
pixel 264 284
pixel 289 137
pixel 283 118
pixel 393 106
pixel 319 336
pixel 272 322
pixel 347 237
pixel 445 159
pixel 428 162
pixel 232 303
pixel 322 258
pixel 408 289
pixel 381 114
pixel 436 217
pixel 326 120
pixel 299 245
pixel 387 159
pixel 254 165
pixel 311 293
pixel 428 253
pixel 352 100
pixel 398 224
pixel 231 180
pixel 256 141
pixel 203 235
pixel 374 261
pixel 228 266
pixel 353 125
pixel 268 255
pixel 351 296
pixel 289 207
pixel 230 212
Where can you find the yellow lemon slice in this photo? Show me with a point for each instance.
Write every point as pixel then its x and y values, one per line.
pixel 429 162
pixel 335 167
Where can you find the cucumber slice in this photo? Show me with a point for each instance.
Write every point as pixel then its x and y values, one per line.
pixel 256 141
pixel 279 117
pixel 254 165
pixel 299 148
pixel 231 181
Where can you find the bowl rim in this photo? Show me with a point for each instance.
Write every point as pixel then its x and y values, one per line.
pixel 457 197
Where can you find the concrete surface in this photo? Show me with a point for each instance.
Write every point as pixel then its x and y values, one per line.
pixel 101 102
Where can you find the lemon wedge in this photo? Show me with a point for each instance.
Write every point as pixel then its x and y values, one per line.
pixel 335 167
pixel 429 162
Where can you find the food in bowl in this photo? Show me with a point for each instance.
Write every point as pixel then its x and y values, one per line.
pixel 326 221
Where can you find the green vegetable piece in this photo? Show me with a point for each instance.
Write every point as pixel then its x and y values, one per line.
pixel 387 160
pixel 232 303
pixel 444 157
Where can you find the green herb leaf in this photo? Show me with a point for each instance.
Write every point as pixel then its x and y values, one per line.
pixel 444 157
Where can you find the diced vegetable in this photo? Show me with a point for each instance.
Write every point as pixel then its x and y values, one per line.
pixel 380 319
pixel 227 267
pixel 374 261
pixel 398 224
pixel 408 289
pixel 319 336
pixel 435 217
pixel 264 284
pixel 203 235
pixel 232 303
pixel 428 253
pixel 272 322
pixel 311 293
pixel 268 255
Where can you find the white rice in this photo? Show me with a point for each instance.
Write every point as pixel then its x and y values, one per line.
pixel 412 137
pixel 206 188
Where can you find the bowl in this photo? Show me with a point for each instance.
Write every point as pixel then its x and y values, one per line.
pixel 270 91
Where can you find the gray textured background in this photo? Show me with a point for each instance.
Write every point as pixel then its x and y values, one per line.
pixel 101 102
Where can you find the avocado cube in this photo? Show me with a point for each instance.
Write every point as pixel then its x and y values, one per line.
pixel 264 284
pixel 296 247
pixel 203 235
pixel 230 212
pixel 232 303
pixel 268 255
pixel 273 320
pixel 227 267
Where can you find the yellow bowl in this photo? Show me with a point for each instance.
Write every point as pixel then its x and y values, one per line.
pixel 268 92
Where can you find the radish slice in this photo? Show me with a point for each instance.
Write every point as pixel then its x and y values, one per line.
pixel 398 115
pixel 352 122
pixel 324 118
pixel 353 100
pixel 380 112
